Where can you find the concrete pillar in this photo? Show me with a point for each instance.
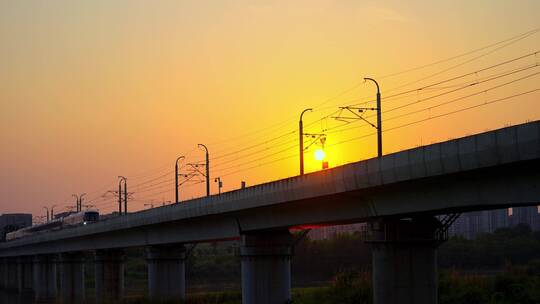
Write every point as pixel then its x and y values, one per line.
pixel 404 261
pixel 12 281
pixel 25 274
pixel 166 273
pixel 3 273
pixel 45 290
pixel 72 288
pixel 109 275
pixel 266 267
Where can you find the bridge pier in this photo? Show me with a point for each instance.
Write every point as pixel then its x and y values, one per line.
pixel 72 289
pixel 24 274
pixel 45 279
pixel 166 273
pixel 266 267
pixel 405 261
pixel 12 281
pixel 3 273
pixel 109 275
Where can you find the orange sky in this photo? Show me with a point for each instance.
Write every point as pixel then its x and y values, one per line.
pixel 90 90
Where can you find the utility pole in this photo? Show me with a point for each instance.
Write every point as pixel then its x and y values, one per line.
pixel 207 170
pixel 301 135
pixel 120 197
pixel 176 179
pixel 125 196
pixel 76 202
pixel 220 184
pixel 52 212
pixel 379 126
pixel 47 210
pixel 81 201
pixel 124 179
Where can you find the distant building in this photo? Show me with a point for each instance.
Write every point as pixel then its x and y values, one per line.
pixel 13 221
pixel 528 215
pixel 470 224
pixel 498 219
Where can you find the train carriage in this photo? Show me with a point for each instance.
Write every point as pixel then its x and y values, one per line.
pixel 72 220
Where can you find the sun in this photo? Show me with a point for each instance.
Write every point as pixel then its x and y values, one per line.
pixel 320 154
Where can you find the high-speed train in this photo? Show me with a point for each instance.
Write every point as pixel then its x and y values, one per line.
pixel 72 220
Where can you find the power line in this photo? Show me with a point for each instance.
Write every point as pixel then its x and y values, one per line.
pixel 260 158
pixel 390 97
pixel 438 105
pixel 460 55
pixel 440 115
pixel 169 190
pixel 170 172
pixel 462 86
pixel 168 183
pixel 468 61
pixel 522 36
pixel 389 129
pixel 470 85
pixel 237 153
pixel 242 156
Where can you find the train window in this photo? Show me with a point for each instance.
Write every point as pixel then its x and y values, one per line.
pixel 91 217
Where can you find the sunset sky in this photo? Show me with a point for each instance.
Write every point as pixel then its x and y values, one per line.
pixel 90 90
